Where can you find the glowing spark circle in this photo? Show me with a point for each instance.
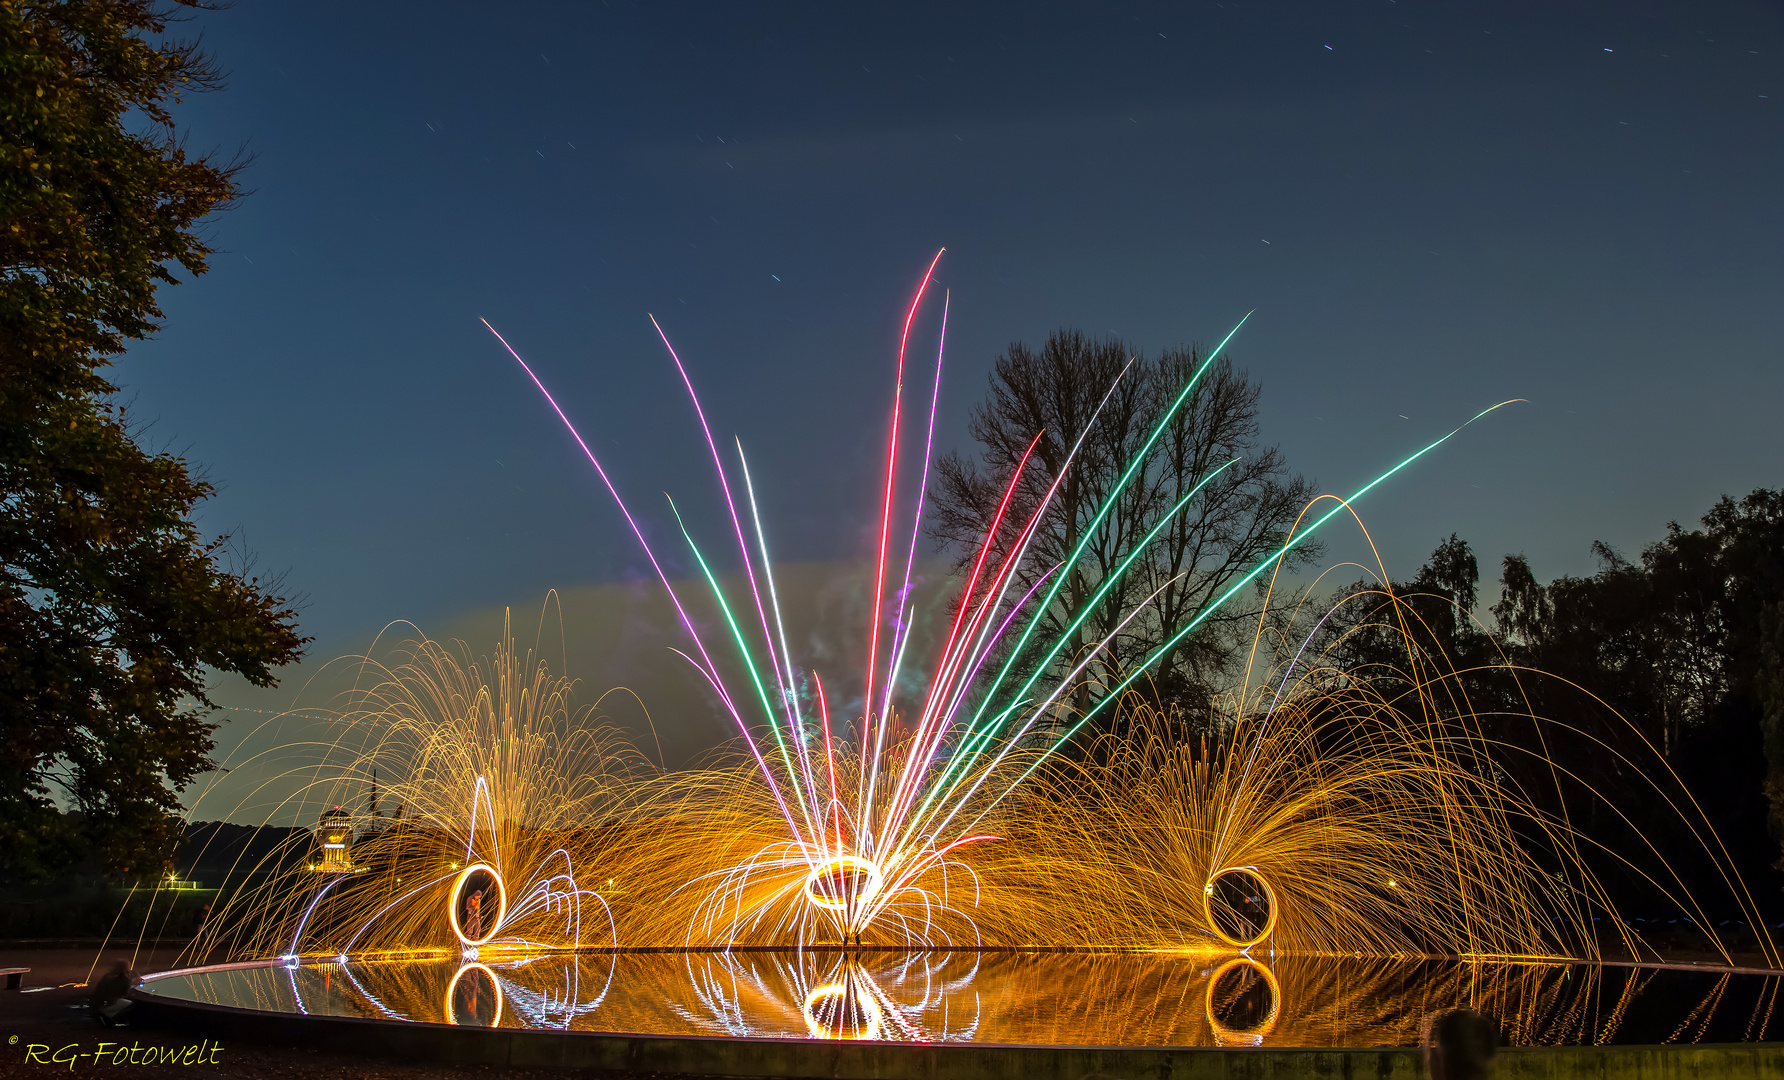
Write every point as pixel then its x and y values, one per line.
pixel 845 882
pixel 1243 1002
pixel 1240 906
pixel 833 1012
pixel 491 920
pixel 472 997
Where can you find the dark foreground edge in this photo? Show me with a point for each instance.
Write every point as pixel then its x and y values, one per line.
pixel 700 1055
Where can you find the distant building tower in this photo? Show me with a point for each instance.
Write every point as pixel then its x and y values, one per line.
pixel 377 822
pixel 334 836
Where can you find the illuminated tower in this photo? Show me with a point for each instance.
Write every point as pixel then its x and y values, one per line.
pixel 334 836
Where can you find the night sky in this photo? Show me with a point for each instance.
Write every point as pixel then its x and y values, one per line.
pixel 1431 207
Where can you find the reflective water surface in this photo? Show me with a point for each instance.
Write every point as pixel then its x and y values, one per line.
pixel 1154 999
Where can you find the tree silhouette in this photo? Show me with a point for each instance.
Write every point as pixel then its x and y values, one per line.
pixel 111 603
pixel 1241 517
pixel 1684 644
pixel 1669 664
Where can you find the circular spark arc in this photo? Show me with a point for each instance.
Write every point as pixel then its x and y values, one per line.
pixel 844 883
pixel 457 893
pixel 452 990
pixel 1231 916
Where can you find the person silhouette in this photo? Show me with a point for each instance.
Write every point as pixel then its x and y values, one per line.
pixel 108 1002
pixel 1460 1046
pixel 474 915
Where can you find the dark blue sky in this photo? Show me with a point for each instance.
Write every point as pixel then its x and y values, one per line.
pixel 1430 206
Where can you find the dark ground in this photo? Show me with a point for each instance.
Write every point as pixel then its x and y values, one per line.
pixel 58 1017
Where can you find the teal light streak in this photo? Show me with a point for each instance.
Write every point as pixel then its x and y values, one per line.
pixel 1102 512
pixel 1115 694
pixel 1071 562
pixel 976 740
pixel 749 665
pixel 798 721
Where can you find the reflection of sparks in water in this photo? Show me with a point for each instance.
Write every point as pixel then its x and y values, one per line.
pixel 474 990
pixel 1243 1001
pixel 844 1010
pixel 836 995
pixel 1054 999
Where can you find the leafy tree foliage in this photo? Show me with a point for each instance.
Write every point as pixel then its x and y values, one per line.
pixel 1684 644
pixel 1673 638
pixel 1241 517
pixel 112 605
pixel 1671 664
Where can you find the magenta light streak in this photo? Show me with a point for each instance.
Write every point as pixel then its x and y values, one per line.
pixel 730 505
pixel 749 569
pixel 922 756
pixel 1001 630
pixel 879 583
pixel 949 660
pixel 949 667
pixel 902 631
pixel 937 717
pixel 710 669
pixel 834 807
pixel 1020 549
pixel 972 580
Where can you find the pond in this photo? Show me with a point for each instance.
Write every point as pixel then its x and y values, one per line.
pixel 1031 997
